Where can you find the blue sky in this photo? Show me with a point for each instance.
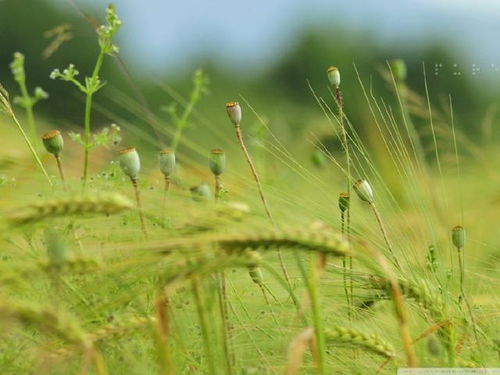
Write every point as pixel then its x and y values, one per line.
pixel 163 35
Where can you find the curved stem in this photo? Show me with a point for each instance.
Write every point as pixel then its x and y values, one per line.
pixel 239 136
pixel 385 235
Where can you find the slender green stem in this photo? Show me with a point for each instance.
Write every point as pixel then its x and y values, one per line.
pixel 239 136
pixel 385 235
pixel 30 145
pixel 313 287
pixel 218 187
pixel 223 309
pixel 204 326
pixel 60 168
pixel 165 193
pixel 90 90
pixel 344 268
pixel 461 262
pixel 161 304
pixel 346 221
pixel 139 206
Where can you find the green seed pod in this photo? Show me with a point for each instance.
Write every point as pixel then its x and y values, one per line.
pixel 167 161
pixel 53 142
pixel 333 76
pixel 130 162
pixel 256 274
pixel 458 236
pixel 344 201
pixel 217 161
pixel 234 112
pixel 201 192
pixel 364 190
pixel 398 68
pixel 318 158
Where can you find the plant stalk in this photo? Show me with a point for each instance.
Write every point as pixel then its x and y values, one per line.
pixel 204 326
pixel 239 136
pixel 139 205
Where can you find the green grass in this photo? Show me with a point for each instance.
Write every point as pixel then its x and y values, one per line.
pixel 82 291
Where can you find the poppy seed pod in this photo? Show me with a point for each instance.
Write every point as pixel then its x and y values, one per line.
pixel 201 192
pixel 234 112
pixel 333 76
pixel 458 236
pixel 398 68
pixel 364 190
pixel 217 161
pixel 167 161
pixel 130 162
pixel 344 201
pixel 53 142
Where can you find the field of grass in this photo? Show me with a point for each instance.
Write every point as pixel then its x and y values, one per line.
pixel 108 272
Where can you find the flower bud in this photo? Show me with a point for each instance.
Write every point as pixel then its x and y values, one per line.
pixel 364 190
pixel 333 76
pixel 201 192
pixel 458 236
pixel 234 112
pixel 398 68
pixel 344 201
pixel 167 161
pixel 53 142
pixel 217 161
pixel 130 162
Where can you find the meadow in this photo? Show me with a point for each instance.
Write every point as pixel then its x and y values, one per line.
pixel 131 251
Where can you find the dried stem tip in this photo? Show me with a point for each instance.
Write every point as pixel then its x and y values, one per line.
pixel 234 112
pixel 344 201
pixel 130 162
pixel 333 76
pixel 167 161
pixel 53 142
pixel 458 236
pixel 398 68
pixel 364 190
pixel 217 161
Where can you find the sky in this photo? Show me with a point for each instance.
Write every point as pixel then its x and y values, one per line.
pixel 163 35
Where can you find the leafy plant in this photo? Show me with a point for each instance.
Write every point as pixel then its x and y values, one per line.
pixel 93 83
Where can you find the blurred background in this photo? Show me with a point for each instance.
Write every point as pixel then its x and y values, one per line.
pixel 267 52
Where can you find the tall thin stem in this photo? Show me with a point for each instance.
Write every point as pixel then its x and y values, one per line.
pixel 8 108
pixel 346 221
pixel 218 187
pixel 165 193
pixel 399 310
pixel 28 106
pixel 344 268
pixel 60 168
pixel 461 262
pixel 139 205
pixel 262 198
pixel 385 235
pixel 161 305
pixel 204 326
pixel 223 309
pixel 88 111
pixel 313 287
